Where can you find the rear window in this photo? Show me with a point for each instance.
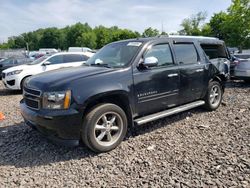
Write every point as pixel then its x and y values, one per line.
pixel 214 51
pixel 185 53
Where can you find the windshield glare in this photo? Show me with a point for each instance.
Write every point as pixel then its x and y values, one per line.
pixel 39 60
pixel 115 55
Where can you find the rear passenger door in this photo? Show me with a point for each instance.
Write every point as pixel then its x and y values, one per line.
pixel 192 78
pixel 157 87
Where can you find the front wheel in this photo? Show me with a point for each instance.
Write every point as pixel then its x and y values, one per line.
pixel 213 96
pixel 104 127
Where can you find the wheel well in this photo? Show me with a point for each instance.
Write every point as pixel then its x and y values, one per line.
pixel 120 100
pixel 23 80
pixel 221 79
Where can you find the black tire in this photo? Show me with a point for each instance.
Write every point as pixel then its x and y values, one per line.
pixel 213 96
pixel 104 127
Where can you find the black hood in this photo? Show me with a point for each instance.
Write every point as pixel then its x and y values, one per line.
pixel 64 75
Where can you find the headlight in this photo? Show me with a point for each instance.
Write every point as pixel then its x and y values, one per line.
pixel 57 100
pixel 14 72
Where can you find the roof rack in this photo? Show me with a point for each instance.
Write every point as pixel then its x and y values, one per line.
pixel 197 37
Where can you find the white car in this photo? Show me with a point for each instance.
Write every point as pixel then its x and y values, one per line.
pixel 13 78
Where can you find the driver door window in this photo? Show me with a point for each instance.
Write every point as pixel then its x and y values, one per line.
pixel 162 52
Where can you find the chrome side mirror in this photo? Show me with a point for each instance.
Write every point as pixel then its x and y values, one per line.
pixel 150 61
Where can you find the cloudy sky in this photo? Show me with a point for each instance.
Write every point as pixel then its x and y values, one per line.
pixel 18 16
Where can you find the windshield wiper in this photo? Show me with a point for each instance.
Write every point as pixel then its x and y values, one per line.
pixel 101 65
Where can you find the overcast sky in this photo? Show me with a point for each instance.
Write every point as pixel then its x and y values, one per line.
pixel 18 16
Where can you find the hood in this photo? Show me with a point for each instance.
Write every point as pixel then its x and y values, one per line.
pixel 64 75
pixel 19 67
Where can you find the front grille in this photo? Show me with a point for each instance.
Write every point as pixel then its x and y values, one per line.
pixel 11 82
pixel 32 98
pixel 3 75
pixel 32 91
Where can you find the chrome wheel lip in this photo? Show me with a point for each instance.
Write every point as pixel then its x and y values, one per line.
pixel 109 130
pixel 215 95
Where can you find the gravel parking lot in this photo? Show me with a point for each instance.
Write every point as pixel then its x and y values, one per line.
pixel 192 149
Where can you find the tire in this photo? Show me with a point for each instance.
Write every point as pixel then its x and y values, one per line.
pixel 104 127
pixel 213 96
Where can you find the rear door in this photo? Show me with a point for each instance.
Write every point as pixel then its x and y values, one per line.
pixel 157 88
pixel 192 72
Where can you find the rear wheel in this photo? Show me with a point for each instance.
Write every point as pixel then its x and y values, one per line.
pixel 104 127
pixel 213 96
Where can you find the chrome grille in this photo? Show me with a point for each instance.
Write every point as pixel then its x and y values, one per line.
pixel 32 98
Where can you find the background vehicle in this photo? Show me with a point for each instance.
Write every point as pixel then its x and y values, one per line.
pixel 79 49
pixel 48 50
pixel 13 78
pixel 126 83
pixel 11 62
pixel 242 69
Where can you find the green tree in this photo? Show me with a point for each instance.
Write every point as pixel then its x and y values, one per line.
pixel 51 38
pixel 87 40
pixel 233 26
pixel 150 32
pixel 193 25
pixel 76 31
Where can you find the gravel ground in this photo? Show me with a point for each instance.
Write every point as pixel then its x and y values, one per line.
pixel 192 149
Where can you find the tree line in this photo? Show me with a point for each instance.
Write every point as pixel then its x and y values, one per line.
pixel 232 26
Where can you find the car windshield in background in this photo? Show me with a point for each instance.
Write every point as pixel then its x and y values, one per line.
pixel 6 61
pixel 115 55
pixel 39 60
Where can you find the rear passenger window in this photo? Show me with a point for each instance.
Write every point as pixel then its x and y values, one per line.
pixel 185 53
pixel 74 58
pixel 56 59
pixel 162 52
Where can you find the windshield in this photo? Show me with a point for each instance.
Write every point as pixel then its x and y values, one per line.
pixel 115 55
pixel 7 61
pixel 39 60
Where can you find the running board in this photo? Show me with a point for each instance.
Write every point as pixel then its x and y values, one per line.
pixel 165 113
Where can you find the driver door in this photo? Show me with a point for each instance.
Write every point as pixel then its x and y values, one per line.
pixel 157 88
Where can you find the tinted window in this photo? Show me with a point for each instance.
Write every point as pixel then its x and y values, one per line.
pixel 162 52
pixel 56 59
pixel 74 58
pixel 185 53
pixel 214 51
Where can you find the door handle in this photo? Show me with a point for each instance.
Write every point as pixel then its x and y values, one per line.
pixel 199 70
pixel 172 75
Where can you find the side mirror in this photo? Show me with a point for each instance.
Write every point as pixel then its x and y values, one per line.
pixel 46 63
pixel 150 61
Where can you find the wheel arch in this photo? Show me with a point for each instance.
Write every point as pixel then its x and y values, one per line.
pixel 119 98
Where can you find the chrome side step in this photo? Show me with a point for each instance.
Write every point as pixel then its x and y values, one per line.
pixel 165 113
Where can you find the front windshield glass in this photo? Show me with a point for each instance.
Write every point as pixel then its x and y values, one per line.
pixel 6 61
pixel 115 55
pixel 39 60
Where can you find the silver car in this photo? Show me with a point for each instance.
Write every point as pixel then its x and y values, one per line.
pixel 242 69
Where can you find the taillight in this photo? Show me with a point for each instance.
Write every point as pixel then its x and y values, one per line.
pixel 236 62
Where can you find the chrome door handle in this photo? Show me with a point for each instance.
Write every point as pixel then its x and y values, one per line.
pixel 172 75
pixel 199 70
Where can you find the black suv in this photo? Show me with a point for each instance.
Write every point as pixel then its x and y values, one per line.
pixel 126 83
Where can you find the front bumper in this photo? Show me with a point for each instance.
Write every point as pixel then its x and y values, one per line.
pixel 242 73
pixel 11 83
pixel 60 126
